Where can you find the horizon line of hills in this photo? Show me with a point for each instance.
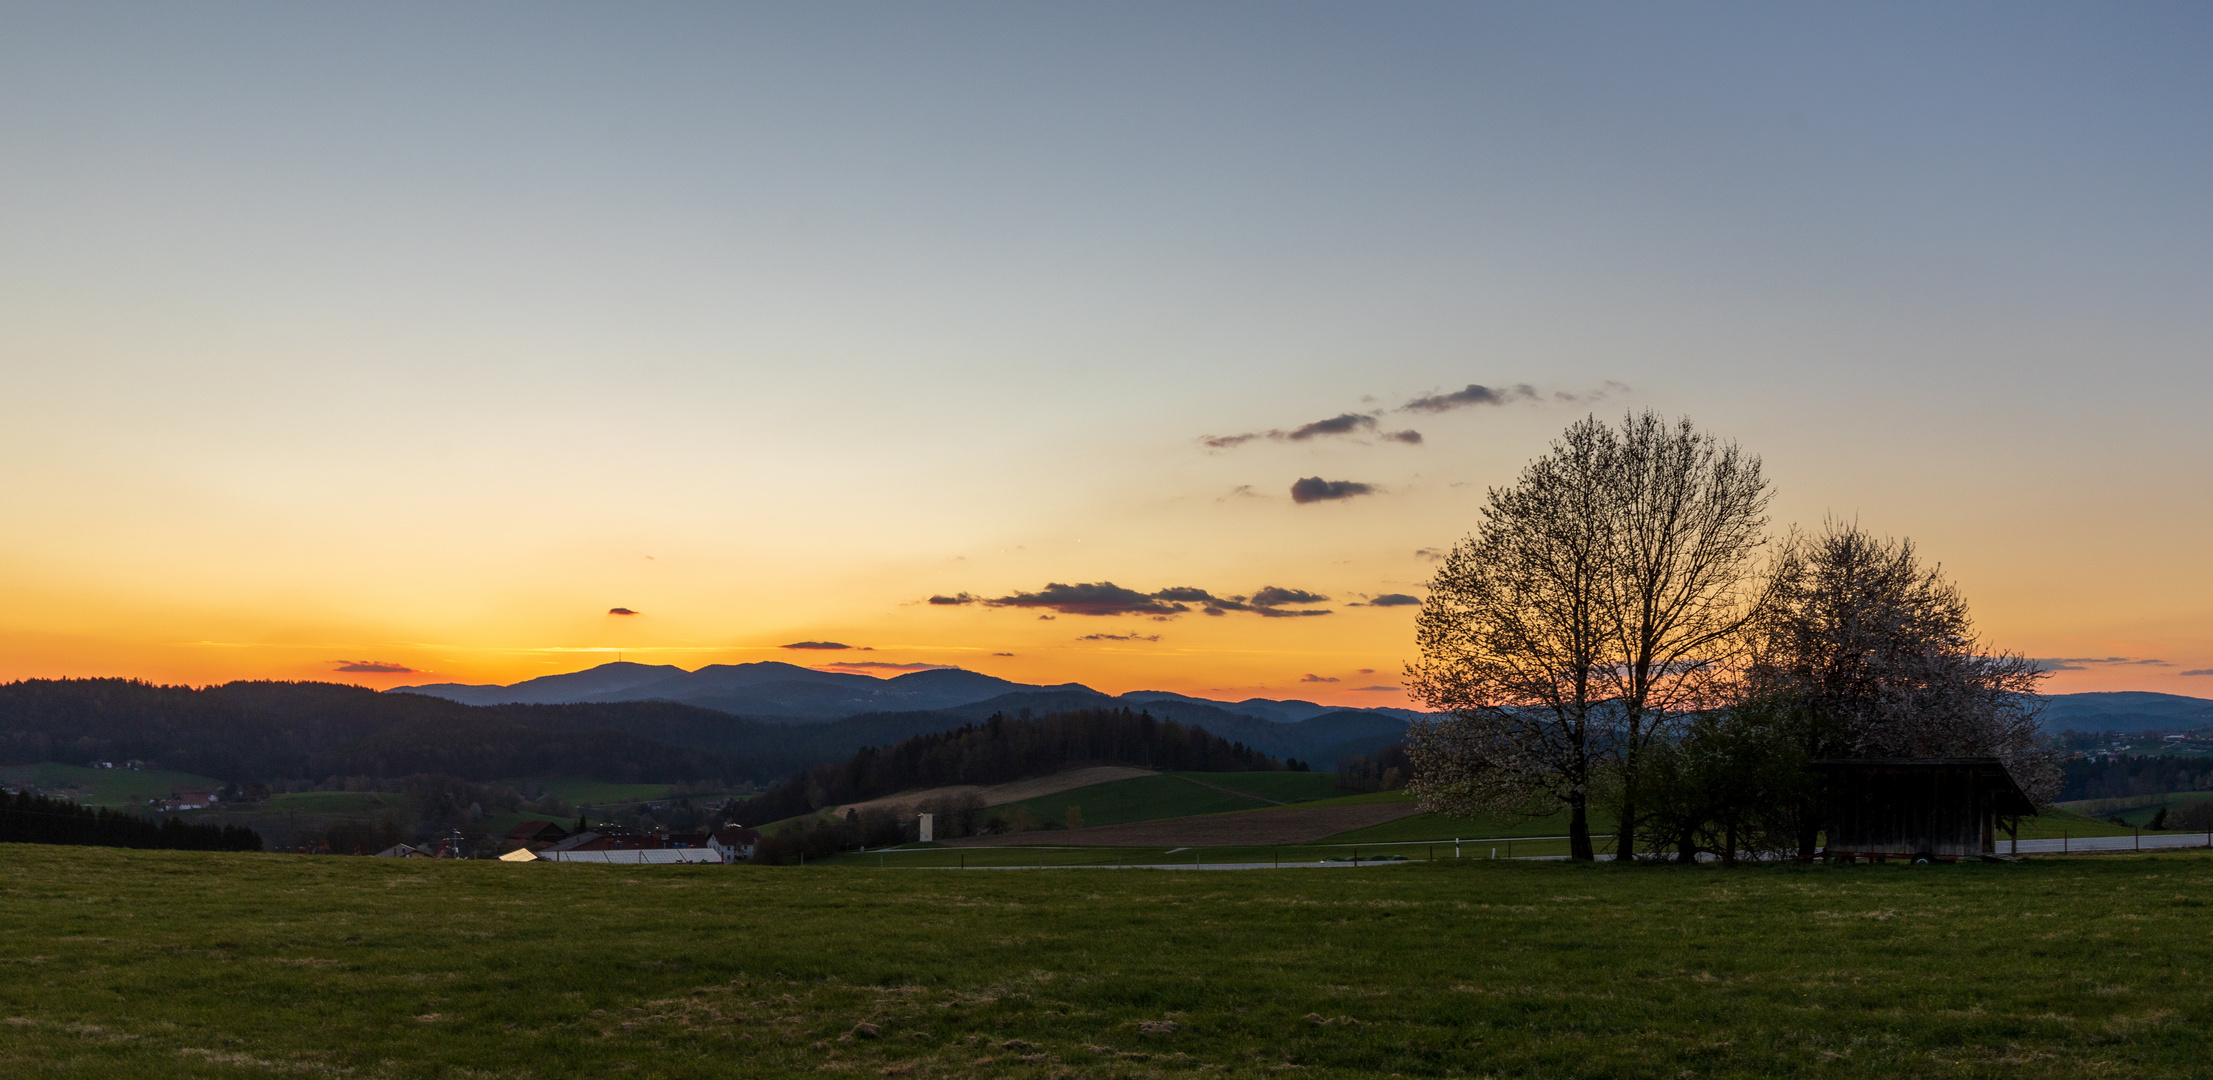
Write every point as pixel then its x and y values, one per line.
pixel 581 725
pixel 777 691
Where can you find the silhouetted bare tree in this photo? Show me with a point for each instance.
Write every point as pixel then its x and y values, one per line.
pixel 1602 597
pixel 1879 657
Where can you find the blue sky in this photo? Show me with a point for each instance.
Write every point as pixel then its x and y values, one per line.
pixel 413 331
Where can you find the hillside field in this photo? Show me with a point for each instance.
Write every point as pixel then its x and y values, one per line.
pixel 126 964
pixel 114 788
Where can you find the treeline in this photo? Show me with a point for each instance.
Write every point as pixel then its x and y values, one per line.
pixel 32 819
pixel 1003 749
pixel 2116 778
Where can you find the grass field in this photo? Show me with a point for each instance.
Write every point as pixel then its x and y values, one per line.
pixel 131 964
pixel 1287 787
pixel 105 787
pixel 595 792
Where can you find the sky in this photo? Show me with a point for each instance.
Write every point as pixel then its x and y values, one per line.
pixel 403 343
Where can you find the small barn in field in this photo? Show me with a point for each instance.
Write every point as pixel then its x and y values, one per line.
pixel 1935 808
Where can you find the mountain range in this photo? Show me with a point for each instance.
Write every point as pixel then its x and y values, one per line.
pixel 2125 711
pixel 777 691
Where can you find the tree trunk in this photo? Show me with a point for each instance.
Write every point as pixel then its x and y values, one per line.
pixel 1729 844
pixel 1579 830
pixel 1625 833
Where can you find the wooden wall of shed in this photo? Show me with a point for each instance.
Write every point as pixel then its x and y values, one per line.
pixel 1907 811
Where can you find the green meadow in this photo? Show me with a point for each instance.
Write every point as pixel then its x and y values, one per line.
pixel 130 964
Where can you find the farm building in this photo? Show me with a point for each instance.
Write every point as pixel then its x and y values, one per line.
pixel 1936 808
pixel 533 835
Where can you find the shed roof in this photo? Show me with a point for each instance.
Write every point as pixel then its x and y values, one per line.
pixel 2010 799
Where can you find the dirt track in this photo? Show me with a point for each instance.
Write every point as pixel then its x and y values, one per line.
pixel 1288 825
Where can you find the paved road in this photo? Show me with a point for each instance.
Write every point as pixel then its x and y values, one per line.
pixel 2107 843
pixel 2151 842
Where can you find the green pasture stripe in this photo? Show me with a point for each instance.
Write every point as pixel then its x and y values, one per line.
pixel 117 963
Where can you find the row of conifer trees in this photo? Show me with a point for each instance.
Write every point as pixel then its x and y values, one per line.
pixel 34 819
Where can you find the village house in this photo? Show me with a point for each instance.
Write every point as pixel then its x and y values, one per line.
pixel 734 842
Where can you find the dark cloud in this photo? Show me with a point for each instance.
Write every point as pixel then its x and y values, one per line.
pixel 957 598
pixel 1432 554
pixel 1119 637
pixel 374 667
pixel 816 645
pixel 2200 671
pixel 1224 442
pixel 1107 598
pixel 1090 598
pixel 1360 688
pixel 1340 424
pixel 620 611
pixel 1316 489
pixel 2084 663
pixel 1186 593
pixel 1410 437
pixel 1002 654
pixel 1394 599
pixel 1316 678
pixel 1367 671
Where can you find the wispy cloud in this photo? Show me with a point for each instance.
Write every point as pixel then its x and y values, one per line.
pixel 1119 637
pixel 1316 678
pixel 2085 663
pixel 373 667
pixel 1341 424
pixel 1372 688
pixel 871 667
pixel 1432 554
pixel 1476 394
pixel 1316 489
pixel 1365 425
pixel 2200 671
pixel 956 598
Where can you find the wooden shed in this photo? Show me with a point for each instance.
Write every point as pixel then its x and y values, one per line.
pixel 1935 808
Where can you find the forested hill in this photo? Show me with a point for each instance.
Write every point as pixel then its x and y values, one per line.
pixel 258 731
pixel 262 731
pixel 1002 749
